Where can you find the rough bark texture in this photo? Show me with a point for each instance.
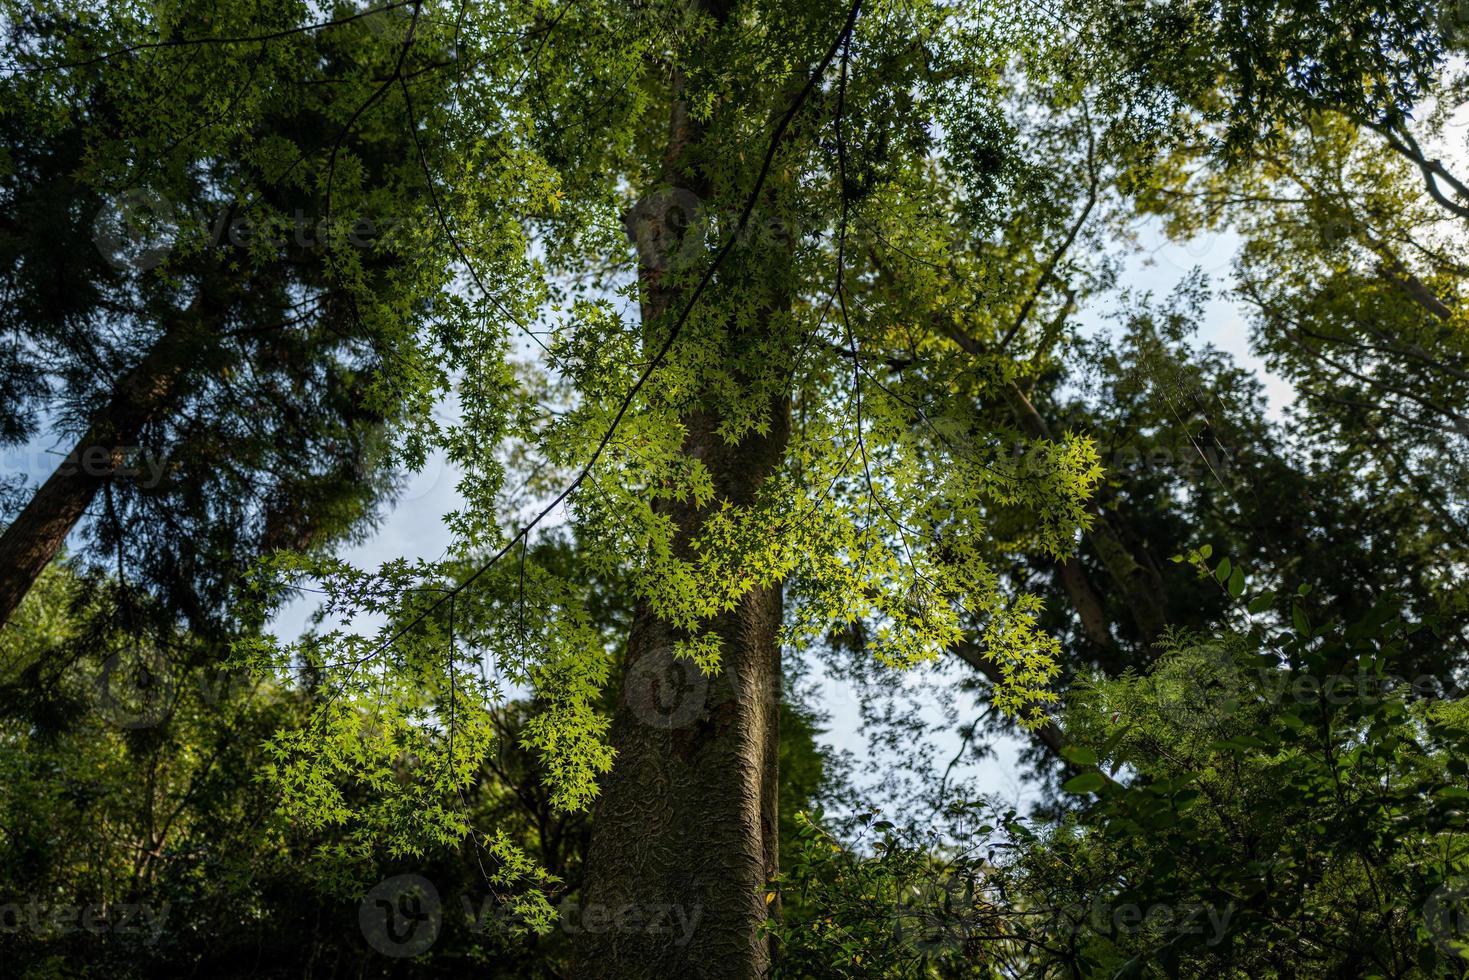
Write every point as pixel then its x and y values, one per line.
pixel 683 844
pixel 686 826
pixel 38 532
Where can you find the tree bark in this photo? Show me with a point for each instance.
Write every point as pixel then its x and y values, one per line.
pixel 1088 604
pixel 683 844
pixel 146 393
pixel 686 826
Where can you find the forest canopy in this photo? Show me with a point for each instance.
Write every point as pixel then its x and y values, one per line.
pixel 774 349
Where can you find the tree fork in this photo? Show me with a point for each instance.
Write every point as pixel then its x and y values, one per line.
pixel 683 845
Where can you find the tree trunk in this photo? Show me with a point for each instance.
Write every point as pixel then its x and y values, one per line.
pixel 683 844
pixel 145 394
pixel 1141 584
pixel 1088 604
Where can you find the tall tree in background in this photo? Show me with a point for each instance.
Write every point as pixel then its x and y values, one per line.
pixel 212 271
